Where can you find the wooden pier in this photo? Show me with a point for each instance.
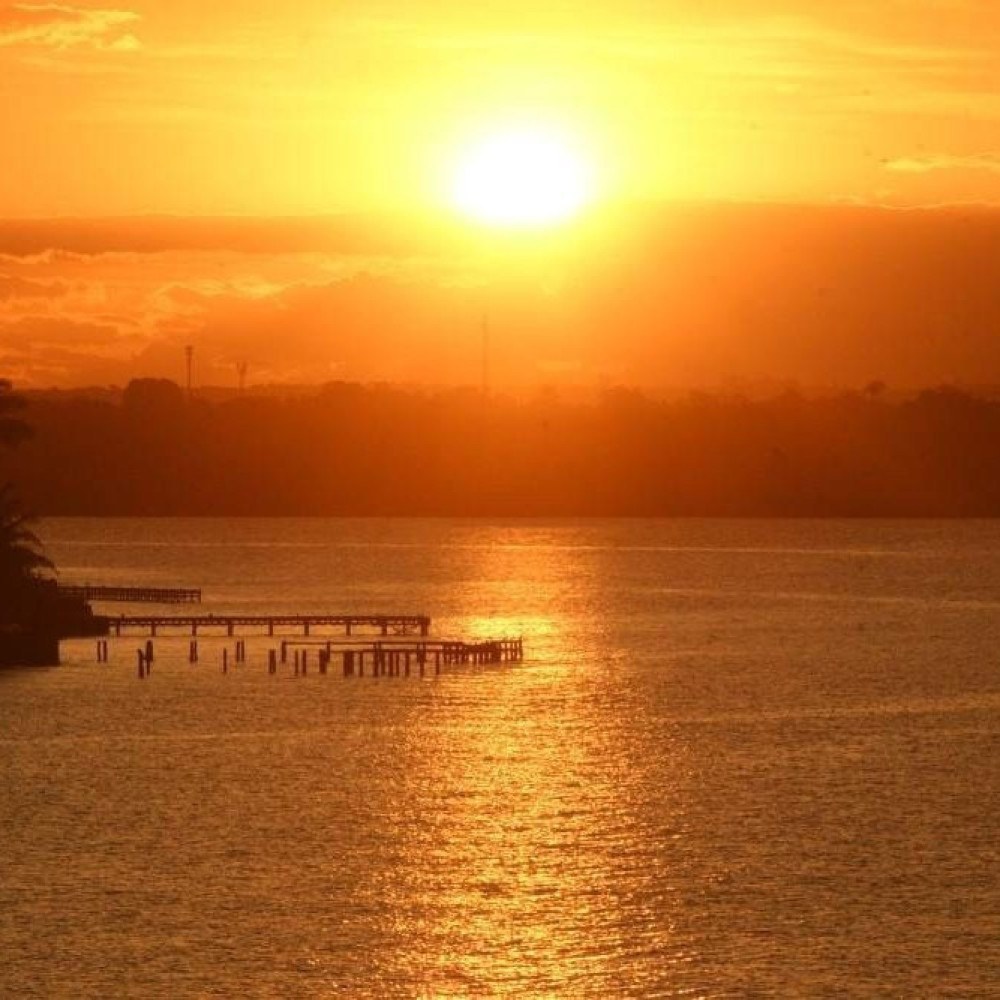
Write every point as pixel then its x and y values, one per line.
pixel 266 624
pixel 395 658
pixel 400 646
pixel 132 595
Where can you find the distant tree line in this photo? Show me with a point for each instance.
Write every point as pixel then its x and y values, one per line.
pixel 348 449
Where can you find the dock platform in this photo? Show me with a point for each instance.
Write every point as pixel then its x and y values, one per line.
pixel 132 595
pixel 269 625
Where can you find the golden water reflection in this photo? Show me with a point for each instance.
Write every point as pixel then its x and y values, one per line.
pixel 536 819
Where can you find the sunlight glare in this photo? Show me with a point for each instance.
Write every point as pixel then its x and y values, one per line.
pixel 522 178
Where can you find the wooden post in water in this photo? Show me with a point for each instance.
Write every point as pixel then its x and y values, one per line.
pixel 225 661
pixel 193 651
pixel 272 661
pixel 284 651
pixel 141 658
pixel 149 650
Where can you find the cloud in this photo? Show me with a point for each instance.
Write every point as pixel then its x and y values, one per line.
pixel 989 162
pixel 13 287
pixel 29 333
pixel 360 234
pixel 58 26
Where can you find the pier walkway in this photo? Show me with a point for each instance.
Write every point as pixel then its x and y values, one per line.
pixel 132 595
pixel 267 624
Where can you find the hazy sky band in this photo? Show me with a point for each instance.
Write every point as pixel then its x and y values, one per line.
pixel 682 297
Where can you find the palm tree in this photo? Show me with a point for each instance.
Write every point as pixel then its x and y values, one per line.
pixel 26 573
pixel 20 547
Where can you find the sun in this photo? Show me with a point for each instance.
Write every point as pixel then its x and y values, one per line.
pixel 522 178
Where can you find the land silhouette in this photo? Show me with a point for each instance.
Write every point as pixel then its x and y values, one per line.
pixel 346 449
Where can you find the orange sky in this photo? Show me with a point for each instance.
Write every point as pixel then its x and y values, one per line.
pixel 314 109
pixel 260 108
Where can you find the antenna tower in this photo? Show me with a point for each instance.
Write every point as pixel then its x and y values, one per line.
pixel 486 355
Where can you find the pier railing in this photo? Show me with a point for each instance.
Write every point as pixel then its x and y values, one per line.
pixel 132 595
pixel 268 624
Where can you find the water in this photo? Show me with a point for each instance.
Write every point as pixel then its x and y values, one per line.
pixel 742 759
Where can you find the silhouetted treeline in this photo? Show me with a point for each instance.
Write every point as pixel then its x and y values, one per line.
pixel 357 450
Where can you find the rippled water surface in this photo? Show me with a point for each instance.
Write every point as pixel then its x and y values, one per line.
pixel 741 759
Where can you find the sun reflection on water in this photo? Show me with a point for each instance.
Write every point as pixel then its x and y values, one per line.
pixel 535 822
